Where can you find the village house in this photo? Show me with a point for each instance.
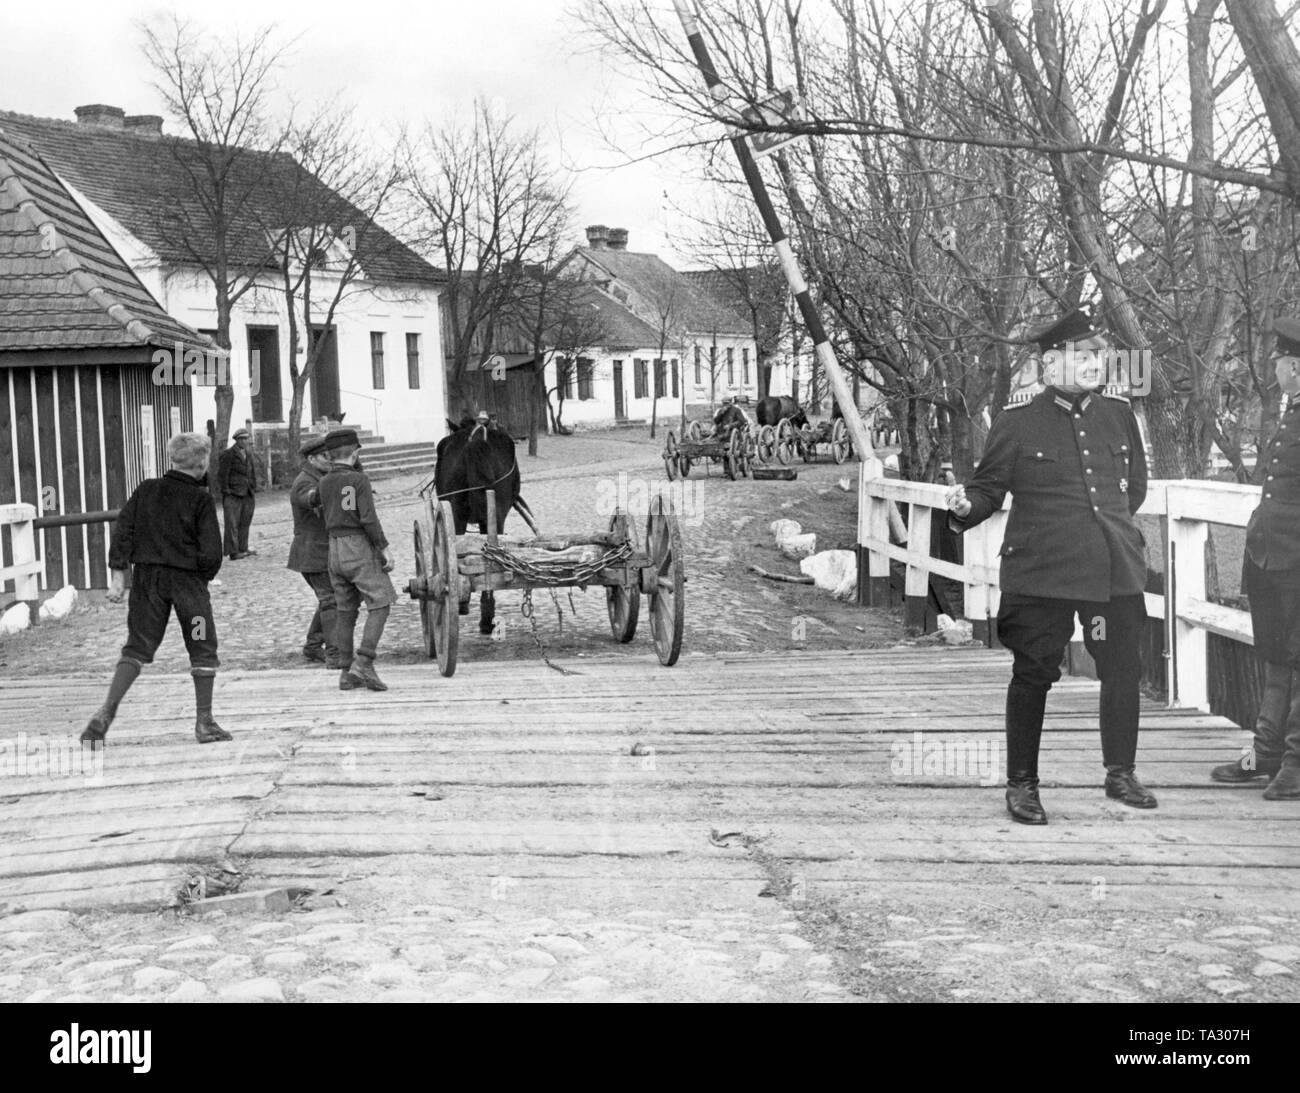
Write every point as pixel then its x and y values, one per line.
pixel 380 368
pixel 707 351
pixel 81 422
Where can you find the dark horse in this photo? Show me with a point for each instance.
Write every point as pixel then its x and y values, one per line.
pixel 473 458
pixel 777 408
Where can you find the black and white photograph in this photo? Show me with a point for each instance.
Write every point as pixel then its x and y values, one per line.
pixel 652 501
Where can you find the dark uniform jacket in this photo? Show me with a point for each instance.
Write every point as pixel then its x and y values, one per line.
pixel 1273 534
pixel 348 505
pixel 171 521
pixel 236 475
pixel 310 550
pixel 1077 473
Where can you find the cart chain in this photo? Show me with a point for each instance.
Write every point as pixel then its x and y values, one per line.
pixel 526 609
pixel 559 571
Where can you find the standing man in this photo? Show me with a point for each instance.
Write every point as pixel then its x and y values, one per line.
pixel 1271 579
pixel 1074 463
pixel 237 483
pixel 309 554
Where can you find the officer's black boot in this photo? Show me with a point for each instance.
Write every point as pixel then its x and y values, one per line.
pixel 1285 785
pixel 1025 706
pixel 1265 754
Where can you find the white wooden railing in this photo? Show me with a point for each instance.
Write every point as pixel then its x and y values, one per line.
pixel 24 566
pixel 1186 508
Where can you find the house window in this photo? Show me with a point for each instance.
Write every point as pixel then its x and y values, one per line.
pixel 639 385
pixel 713 362
pixel 699 375
pixel 676 390
pixel 377 358
pixel 584 378
pixel 744 365
pixel 413 361
pixel 731 367
pixel 564 376
pixel 659 378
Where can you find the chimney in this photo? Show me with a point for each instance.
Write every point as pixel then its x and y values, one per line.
pixel 618 238
pixel 104 117
pixel 596 236
pixel 144 125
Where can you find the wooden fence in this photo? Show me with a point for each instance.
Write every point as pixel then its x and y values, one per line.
pixel 1186 510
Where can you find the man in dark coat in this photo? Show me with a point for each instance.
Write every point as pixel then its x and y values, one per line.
pixel 167 535
pixel 1073 459
pixel 309 554
pixel 237 484
pixel 1271 579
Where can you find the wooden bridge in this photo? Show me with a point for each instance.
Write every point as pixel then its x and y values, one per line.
pixel 876 774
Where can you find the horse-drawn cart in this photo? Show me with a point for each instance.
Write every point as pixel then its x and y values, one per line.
pixel 735 450
pixel 449 568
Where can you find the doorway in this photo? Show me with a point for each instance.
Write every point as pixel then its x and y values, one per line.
pixel 325 376
pixel 620 411
pixel 264 373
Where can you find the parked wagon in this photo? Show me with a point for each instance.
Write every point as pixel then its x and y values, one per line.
pixel 450 568
pixel 735 451
pixel 787 441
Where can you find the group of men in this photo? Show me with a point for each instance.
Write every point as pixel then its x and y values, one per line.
pixel 1074 462
pixel 167 537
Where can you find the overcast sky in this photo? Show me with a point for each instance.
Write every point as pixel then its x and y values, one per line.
pixel 397 62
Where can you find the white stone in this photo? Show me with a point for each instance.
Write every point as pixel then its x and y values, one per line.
pixel 589 984
pixel 1270 967
pixel 561 946
pixel 36 921
pixel 261 929
pixel 528 978
pixel 233 966
pixel 1283 954
pixel 794 942
pixel 253 990
pixel 426 957
pixel 988 948
pixel 392 974
pixel 1215 971
pixel 1226 986
pixel 153 976
pixel 769 961
pixel 189 991
pixel 198 941
pixel 536 958
pixel 284 958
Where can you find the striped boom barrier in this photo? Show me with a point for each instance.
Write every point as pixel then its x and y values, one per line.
pixel 872 466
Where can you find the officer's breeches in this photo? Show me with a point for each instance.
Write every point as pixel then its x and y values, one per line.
pixel 1037 630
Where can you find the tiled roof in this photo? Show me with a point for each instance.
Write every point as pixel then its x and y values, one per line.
pixel 62 285
pixel 650 279
pixel 615 327
pixel 766 286
pixel 142 182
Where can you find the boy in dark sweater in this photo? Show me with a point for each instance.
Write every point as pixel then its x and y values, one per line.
pixel 359 561
pixel 168 531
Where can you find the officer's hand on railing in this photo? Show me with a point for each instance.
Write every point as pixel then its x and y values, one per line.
pixel 958 505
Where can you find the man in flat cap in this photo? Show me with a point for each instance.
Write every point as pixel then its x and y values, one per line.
pixel 309 554
pixel 359 563
pixel 1271 579
pixel 1073 460
pixel 237 484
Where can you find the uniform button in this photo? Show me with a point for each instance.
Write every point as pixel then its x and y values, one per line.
pixel 1095 509
pixel 1093 489
pixel 1085 451
pixel 1270 478
pixel 1083 432
pixel 1040 455
pixel 1078 415
pixel 1268 495
pixel 1088 471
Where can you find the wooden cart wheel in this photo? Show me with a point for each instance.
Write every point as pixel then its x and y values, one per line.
pixel 841 445
pixel 671 455
pixel 766 448
pixel 695 431
pixel 423 566
pixel 623 601
pixel 444 585
pixel 734 462
pixel 666 580
pixel 683 465
pixel 784 441
pixel 746 451
pixel 807 443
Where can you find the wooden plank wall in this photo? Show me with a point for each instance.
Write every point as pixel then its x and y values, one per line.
pixel 71 441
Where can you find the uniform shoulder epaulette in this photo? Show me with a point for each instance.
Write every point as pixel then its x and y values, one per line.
pixel 1017 405
pixel 1118 398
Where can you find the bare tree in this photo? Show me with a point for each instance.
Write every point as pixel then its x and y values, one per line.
pixel 490 205
pixel 321 217
pixel 219 92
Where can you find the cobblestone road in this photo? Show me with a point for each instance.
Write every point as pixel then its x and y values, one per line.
pixel 262 609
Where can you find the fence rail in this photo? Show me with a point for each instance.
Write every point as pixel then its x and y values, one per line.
pixel 24 567
pixel 1186 510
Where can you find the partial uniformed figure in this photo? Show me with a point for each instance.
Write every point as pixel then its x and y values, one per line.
pixel 1074 462
pixel 309 553
pixel 1271 579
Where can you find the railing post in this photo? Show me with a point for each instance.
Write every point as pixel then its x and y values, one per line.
pixel 917 586
pixel 873 526
pixel 1187 541
pixel 977 590
pixel 24 571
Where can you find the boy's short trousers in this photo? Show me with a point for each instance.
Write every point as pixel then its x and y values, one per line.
pixel 157 591
pixel 357 574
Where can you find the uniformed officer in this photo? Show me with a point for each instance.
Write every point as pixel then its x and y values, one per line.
pixel 1074 463
pixel 1271 578
pixel 309 553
